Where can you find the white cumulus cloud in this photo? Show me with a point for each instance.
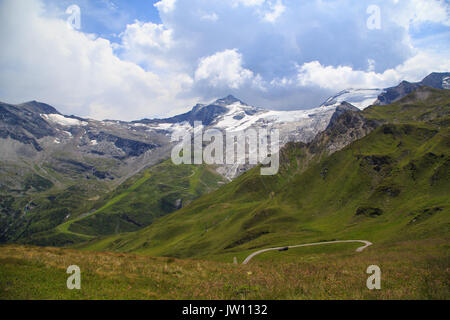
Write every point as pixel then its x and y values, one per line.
pixel 272 53
pixel 166 6
pixel 224 69
pixel 413 12
pixel 276 10
pixel 77 73
pixel 342 77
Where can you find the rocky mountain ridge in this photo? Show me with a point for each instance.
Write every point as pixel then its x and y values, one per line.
pixel 77 148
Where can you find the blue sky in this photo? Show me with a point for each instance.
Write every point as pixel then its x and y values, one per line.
pixel 107 18
pixel 143 58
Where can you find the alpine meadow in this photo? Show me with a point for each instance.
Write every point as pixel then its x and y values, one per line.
pixel 242 150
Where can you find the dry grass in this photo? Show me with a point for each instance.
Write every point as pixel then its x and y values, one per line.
pixel 410 270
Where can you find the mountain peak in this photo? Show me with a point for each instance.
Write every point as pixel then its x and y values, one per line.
pixel 197 107
pixel 39 107
pixel 437 80
pixel 230 99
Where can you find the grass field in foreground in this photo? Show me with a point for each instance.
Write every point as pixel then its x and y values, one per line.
pixel 410 270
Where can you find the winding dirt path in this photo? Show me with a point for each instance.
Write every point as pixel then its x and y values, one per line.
pixel 366 244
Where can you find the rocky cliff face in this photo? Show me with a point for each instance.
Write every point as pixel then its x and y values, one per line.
pixel 23 124
pixel 347 125
pixel 37 141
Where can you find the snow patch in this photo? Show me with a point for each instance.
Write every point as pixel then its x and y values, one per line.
pixel 233 121
pixel 62 120
pixel 446 83
pixel 140 125
pixel 178 129
pixel 360 98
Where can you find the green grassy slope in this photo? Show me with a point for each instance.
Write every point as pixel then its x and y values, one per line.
pixel 392 185
pixel 136 203
pixel 24 216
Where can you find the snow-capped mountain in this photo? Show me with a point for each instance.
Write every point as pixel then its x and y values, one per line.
pixel 77 148
pixel 232 115
pixel 39 132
